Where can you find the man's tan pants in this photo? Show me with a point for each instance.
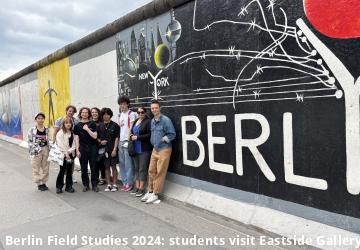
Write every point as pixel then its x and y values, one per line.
pixel 159 163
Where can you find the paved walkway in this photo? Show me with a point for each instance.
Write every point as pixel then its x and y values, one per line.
pixel 41 220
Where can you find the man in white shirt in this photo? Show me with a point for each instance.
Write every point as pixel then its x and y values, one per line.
pixel 126 120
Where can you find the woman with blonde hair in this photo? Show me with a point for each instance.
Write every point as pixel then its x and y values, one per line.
pixel 66 144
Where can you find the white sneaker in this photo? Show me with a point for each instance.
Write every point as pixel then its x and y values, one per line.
pixel 114 188
pixel 152 198
pixel 146 196
pixel 108 188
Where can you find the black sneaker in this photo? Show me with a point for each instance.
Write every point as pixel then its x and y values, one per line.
pixel 59 191
pixel 95 189
pixel 139 193
pixel 85 189
pixel 134 191
pixel 70 190
pixel 43 187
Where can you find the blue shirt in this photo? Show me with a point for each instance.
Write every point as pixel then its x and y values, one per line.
pixel 162 130
pixel 59 122
pixel 135 130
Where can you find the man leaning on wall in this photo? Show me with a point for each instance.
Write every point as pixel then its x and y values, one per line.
pixel 162 133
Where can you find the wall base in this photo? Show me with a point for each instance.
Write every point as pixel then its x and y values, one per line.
pixel 262 217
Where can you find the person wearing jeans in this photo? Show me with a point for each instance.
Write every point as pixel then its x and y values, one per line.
pixel 126 165
pixel 162 133
pixel 140 135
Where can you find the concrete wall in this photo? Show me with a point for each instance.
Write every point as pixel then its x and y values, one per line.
pixel 265 104
pixel 93 76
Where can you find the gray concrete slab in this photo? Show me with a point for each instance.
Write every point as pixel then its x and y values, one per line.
pixel 29 214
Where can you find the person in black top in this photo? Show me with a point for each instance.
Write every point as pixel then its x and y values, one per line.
pixel 85 137
pixel 108 139
pixel 96 117
pixel 38 139
pixel 140 135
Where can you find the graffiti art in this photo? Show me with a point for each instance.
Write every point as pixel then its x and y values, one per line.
pixel 54 90
pixel 264 95
pixel 10 113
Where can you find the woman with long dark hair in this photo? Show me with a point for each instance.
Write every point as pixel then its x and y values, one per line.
pixel 95 115
pixel 140 135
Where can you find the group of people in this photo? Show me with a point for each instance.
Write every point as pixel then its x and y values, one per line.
pixel 140 145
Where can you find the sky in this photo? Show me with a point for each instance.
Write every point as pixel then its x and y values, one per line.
pixel 32 29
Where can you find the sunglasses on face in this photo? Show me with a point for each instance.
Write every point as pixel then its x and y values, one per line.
pixel 141 112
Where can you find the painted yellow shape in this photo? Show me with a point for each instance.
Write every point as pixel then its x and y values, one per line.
pixel 54 90
pixel 161 56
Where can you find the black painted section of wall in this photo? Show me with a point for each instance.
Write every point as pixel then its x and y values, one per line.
pixel 318 123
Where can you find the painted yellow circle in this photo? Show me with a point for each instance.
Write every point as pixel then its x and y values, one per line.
pixel 161 56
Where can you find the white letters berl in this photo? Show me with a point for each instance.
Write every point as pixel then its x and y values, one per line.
pixel 251 144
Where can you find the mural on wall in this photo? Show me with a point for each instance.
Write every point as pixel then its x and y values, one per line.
pixel 261 100
pixel 342 25
pixel 10 112
pixel 143 51
pixel 334 18
pixel 29 93
pixel 54 90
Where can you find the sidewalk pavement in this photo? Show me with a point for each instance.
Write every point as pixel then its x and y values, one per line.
pixel 31 219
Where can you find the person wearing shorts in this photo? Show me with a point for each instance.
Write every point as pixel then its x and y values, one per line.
pixel 108 139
